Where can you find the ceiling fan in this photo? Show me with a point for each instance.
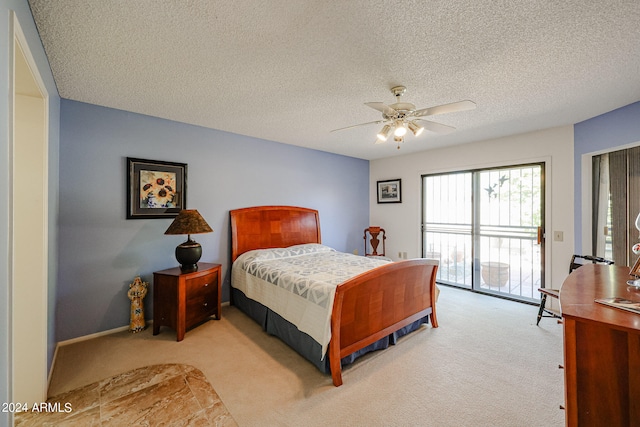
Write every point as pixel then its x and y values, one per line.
pixel 399 117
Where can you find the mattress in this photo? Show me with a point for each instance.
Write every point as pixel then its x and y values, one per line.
pixel 298 283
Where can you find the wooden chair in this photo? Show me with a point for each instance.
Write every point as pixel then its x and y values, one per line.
pixel 374 232
pixel 577 261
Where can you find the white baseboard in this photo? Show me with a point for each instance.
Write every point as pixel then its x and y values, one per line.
pixel 80 339
pixel 96 335
pixel 53 364
pixel 89 337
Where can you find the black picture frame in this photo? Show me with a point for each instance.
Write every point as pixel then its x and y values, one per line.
pixel 390 191
pixel 164 183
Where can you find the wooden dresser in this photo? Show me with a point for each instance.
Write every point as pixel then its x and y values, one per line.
pixel 601 349
pixel 182 300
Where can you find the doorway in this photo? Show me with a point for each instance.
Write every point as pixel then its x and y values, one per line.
pixel 486 229
pixel 28 224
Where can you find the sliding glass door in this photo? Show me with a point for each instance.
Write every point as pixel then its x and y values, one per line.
pixel 485 228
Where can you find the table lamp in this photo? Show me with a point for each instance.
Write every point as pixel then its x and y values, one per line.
pixel 189 221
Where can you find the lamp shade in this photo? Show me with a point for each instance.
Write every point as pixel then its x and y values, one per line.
pixel 189 221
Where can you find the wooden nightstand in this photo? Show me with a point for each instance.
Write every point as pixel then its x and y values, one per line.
pixel 182 300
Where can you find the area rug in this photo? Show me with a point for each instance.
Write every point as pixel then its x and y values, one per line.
pixel 168 395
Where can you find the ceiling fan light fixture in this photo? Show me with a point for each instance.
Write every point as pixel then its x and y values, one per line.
pixel 383 135
pixel 400 129
pixel 403 116
pixel 415 128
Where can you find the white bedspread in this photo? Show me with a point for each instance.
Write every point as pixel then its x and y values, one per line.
pixel 299 283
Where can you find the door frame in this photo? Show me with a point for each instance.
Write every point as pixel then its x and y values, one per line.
pixel 28 329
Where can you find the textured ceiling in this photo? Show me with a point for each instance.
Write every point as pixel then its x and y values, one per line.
pixel 291 70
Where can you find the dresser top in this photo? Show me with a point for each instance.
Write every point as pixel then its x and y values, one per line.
pixel 593 281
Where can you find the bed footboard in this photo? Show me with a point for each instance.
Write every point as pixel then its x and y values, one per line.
pixel 379 302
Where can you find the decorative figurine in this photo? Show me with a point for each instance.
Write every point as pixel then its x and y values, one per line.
pixel 137 292
pixel 635 270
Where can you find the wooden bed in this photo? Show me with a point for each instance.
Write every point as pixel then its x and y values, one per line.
pixel 367 307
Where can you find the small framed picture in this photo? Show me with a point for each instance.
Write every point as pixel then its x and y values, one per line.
pixel 389 191
pixel 155 189
pixel 635 270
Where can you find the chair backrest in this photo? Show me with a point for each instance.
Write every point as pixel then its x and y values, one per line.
pixel 374 232
pixel 578 261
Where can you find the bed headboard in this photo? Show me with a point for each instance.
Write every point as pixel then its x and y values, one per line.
pixel 263 227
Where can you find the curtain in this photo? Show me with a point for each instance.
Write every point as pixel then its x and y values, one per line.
pixel 633 160
pixel 600 205
pixel 616 178
pixel 619 218
pixel 616 186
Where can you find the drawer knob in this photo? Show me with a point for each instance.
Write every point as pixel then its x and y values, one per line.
pixel 205 304
pixel 206 284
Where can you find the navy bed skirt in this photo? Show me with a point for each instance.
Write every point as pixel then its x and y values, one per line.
pixel 276 325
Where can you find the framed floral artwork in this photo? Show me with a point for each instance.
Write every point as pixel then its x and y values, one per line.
pixel 155 189
pixel 389 191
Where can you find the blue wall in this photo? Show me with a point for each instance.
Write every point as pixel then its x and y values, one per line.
pixel 601 133
pixel 21 8
pixel 101 251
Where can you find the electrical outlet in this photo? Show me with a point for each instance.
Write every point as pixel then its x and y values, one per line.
pixel 404 255
pixel 355 252
pixel 558 236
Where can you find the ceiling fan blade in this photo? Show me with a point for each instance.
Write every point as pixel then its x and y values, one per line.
pixel 382 107
pixel 361 124
pixel 436 127
pixel 446 108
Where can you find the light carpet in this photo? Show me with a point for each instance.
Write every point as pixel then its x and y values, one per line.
pixel 486 365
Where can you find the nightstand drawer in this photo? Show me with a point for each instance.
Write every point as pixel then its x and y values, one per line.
pixel 200 286
pixel 198 309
